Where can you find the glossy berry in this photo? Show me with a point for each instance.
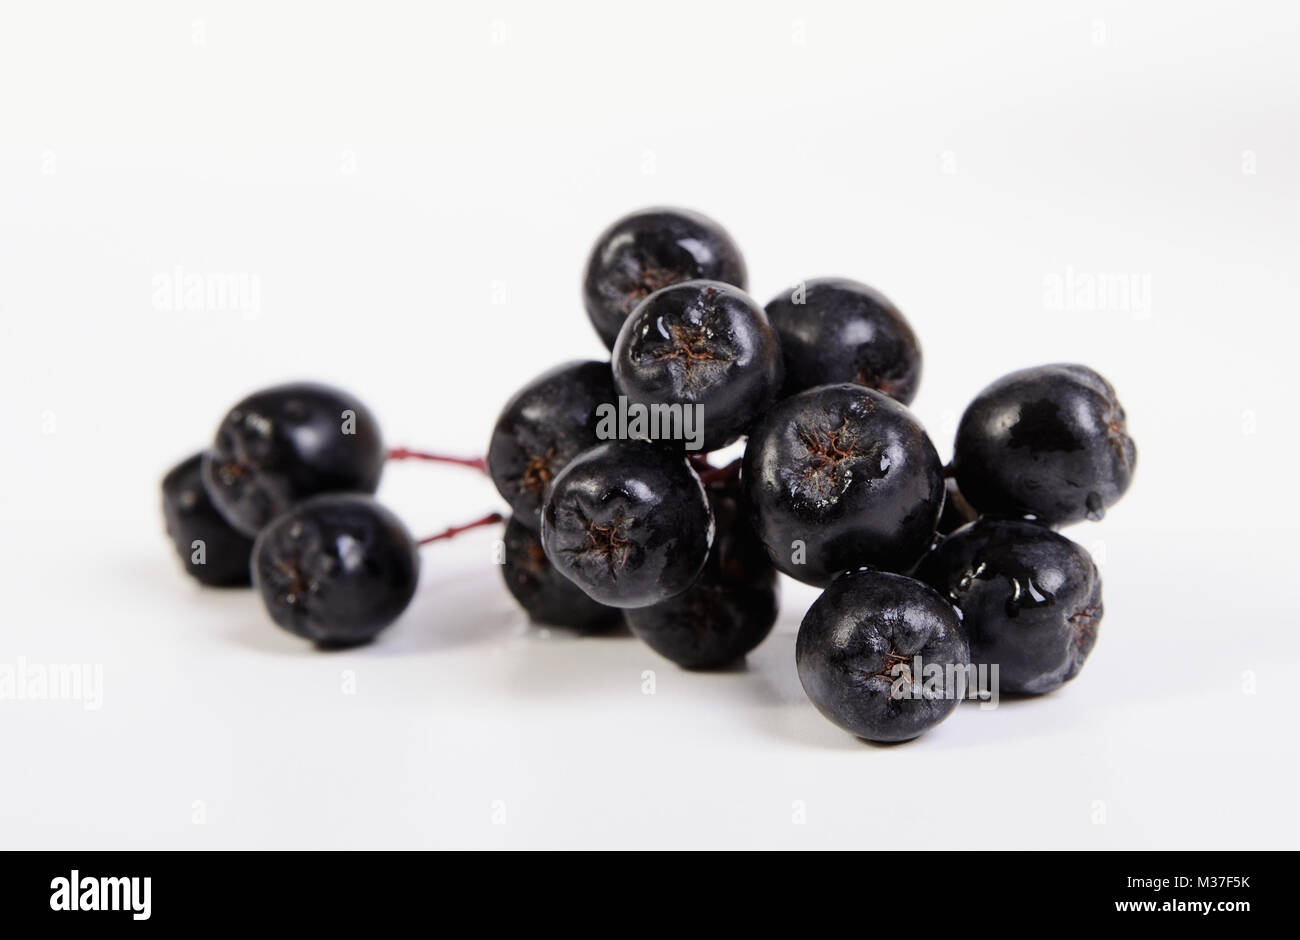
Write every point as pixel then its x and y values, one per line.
pixel 545 424
pixel 336 569
pixel 1030 600
pixel 1049 442
pixel 282 445
pixel 730 608
pixel 839 477
pixel 628 522
pixel 650 249
pixel 705 344
pixel 957 512
pixel 857 655
pixel 212 552
pixel 837 330
pixel 546 595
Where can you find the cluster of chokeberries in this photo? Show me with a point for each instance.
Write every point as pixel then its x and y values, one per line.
pixel 618 516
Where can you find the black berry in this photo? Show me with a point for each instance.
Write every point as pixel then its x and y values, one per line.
pixel 728 611
pixel 859 648
pixel 839 477
pixel 212 552
pixel 545 424
pixel 548 596
pixel 282 445
pixel 650 249
pixel 701 343
pixel 336 569
pixel 1030 600
pixel 1049 442
pixel 628 522
pixel 836 330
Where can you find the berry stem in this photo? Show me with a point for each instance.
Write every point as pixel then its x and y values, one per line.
pixel 948 471
pixel 721 474
pixel 405 453
pixel 450 533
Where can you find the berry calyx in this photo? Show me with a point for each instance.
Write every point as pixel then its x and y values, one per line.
pixel 842 476
pixel 701 344
pixel 628 522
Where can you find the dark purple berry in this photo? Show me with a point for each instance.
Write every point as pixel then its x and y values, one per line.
pixel 212 552
pixel 836 330
pixel 282 445
pixel 648 250
pixel 545 424
pixel 841 476
pixel 1030 600
pixel 704 345
pixel 546 595
pixel 336 569
pixel 859 648
pixel 628 522
pixel 1049 442
pixel 730 608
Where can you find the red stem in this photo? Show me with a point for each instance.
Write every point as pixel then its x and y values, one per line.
pixel 404 453
pixel 451 533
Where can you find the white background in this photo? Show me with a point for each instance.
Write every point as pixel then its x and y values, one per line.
pixel 414 189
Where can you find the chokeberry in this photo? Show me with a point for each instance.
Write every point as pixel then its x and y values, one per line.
pixel 548 596
pixel 1048 442
pixel 650 249
pixel 835 330
pixel 701 344
pixel 1030 600
pixel 842 476
pixel 628 522
pixel 336 569
pixel 212 552
pixel 730 608
pixel 282 445
pixel 542 428
pixel 882 655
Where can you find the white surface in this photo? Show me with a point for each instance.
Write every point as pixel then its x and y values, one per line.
pixel 387 174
